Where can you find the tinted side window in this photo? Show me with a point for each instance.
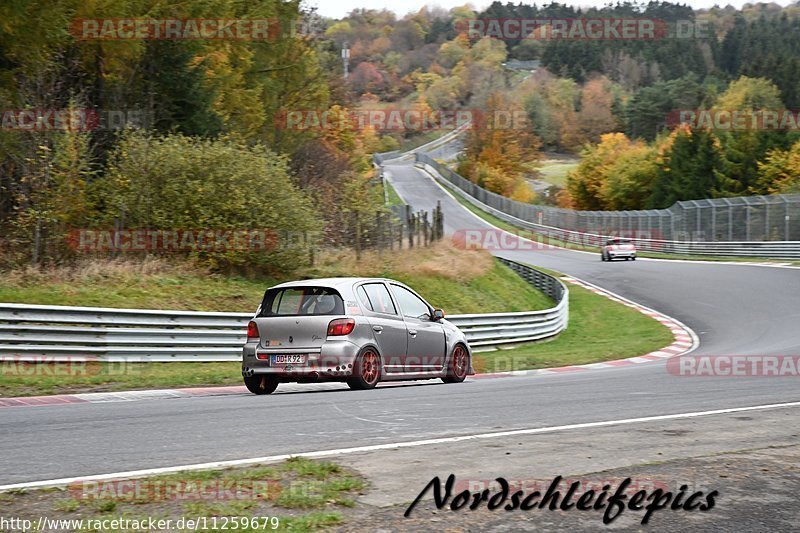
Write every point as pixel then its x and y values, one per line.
pixel 410 304
pixel 379 299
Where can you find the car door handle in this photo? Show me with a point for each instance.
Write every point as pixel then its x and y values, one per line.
pixel 412 332
pixel 377 329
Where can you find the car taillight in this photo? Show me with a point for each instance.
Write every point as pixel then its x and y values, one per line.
pixel 252 331
pixel 341 326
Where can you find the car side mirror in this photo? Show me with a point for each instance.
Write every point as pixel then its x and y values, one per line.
pixel 438 314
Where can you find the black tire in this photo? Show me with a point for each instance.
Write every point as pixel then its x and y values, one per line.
pixel 458 366
pixel 366 370
pixel 633 258
pixel 260 384
pixel 602 257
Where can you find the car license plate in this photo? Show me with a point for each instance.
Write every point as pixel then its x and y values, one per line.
pixel 294 359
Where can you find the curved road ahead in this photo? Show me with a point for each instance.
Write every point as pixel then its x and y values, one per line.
pixel 734 309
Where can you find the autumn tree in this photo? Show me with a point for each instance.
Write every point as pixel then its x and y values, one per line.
pixel 587 183
pixel 746 147
pixel 365 78
pixel 780 171
pixel 596 117
pixel 500 151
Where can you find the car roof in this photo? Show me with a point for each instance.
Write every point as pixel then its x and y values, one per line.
pixel 330 282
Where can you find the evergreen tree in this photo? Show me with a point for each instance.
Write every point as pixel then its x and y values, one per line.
pixel 693 167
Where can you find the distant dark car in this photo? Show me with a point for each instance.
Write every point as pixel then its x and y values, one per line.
pixel 357 330
pixel 618 249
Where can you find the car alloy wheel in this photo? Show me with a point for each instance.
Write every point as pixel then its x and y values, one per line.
pixel 459 364
pixel 367 370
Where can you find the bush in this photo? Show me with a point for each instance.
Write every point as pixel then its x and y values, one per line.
pixel 179 182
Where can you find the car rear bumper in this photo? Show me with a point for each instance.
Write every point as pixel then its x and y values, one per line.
pixel 334 360
pixel 615 255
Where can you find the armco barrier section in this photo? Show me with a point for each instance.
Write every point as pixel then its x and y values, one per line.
pixel 61 333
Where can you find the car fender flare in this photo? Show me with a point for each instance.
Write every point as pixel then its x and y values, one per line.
pixel 451 352
pixel 373 347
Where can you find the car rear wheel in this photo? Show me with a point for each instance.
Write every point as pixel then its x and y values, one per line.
pixel 459 364
pixel 260 384
pixel 366 371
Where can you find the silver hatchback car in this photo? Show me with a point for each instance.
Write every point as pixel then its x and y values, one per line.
pixel 357 330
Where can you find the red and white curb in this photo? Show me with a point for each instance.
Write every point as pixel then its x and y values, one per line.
pixel 684 339
pixel 165 394
pixel 122 396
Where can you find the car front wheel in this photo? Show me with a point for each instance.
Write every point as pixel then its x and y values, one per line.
pixel 260 384
pixel 459 364
pixel 366 371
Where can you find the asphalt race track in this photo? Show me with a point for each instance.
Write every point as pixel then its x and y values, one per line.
pixel 734 309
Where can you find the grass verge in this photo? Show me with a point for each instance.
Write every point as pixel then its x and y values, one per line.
pixel 418 140
pixel 599 330
pixel 296 495
pixel 554 171
pixel 391 194
pixel 456 281
pixel 151 283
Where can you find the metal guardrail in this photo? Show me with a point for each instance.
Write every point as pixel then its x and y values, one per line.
pixel 61 333
pixel 503 209
pixel 379 158
pixel 495 329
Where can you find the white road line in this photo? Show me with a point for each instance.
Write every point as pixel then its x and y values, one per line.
pixel 391 446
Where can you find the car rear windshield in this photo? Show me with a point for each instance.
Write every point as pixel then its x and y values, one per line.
pixel 297 301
